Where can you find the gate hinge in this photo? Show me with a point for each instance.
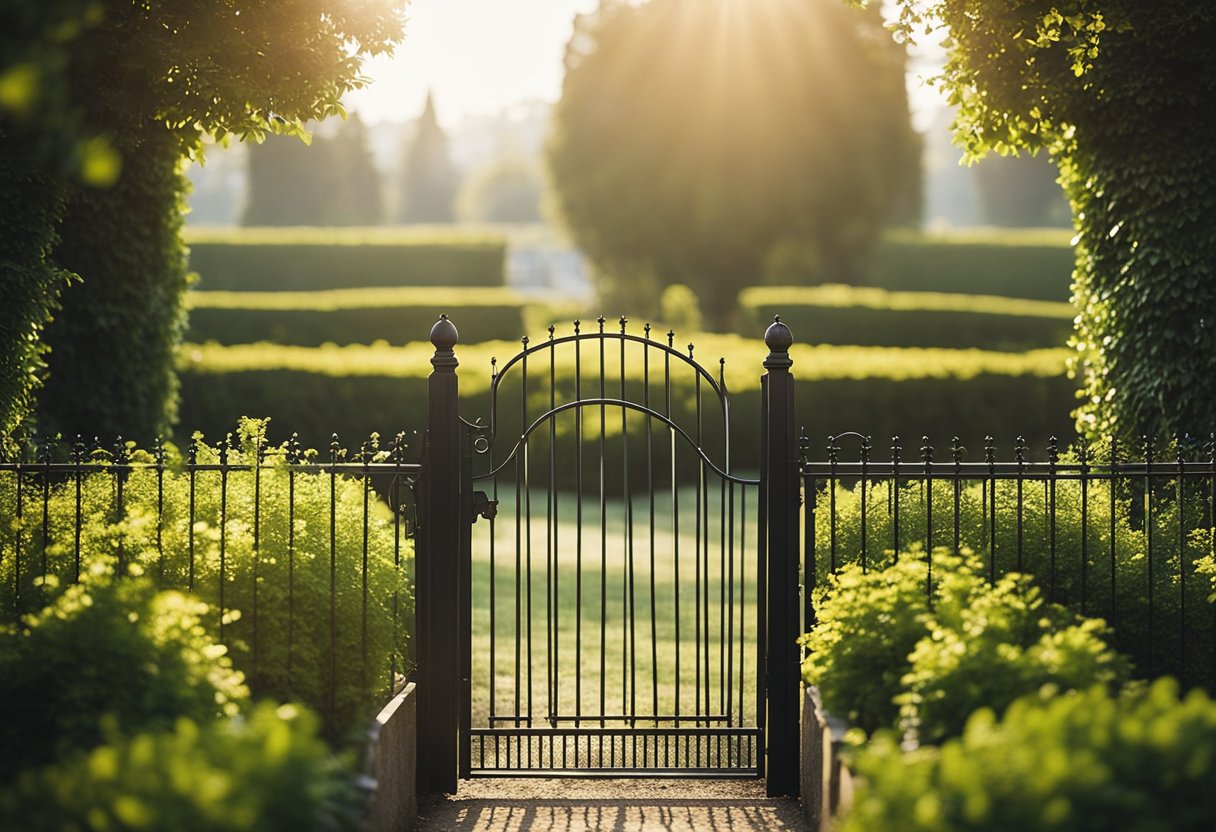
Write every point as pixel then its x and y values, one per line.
pixel 483 506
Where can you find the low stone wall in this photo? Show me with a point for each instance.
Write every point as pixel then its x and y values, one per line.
pixel 392 765
pixel 827 784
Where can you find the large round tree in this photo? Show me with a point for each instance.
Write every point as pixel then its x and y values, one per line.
pixel 147 81
pixel 1122 94
pixel 694 138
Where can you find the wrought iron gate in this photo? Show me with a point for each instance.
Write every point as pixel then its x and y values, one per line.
pixel 615 613
pixel 619 603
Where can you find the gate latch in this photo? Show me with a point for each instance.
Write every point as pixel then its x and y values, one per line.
pixel 483 506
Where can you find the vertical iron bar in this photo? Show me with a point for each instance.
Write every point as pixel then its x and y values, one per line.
pixel 1182 558
pixel 675 513
pixel 1084 460
pixel 603 541
pixel 1114 603
pixel 1148 533
pixel 1053 457
pixel 631 630
pixel 956 451
pixel 293 459
pixel 578 530
pixel 1020 453
pixel 332 681
pixel 223 532
pixel 192 468
pixel 990 458
pixel 552 600
pixel 654 654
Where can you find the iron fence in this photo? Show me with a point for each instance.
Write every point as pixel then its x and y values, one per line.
pixel 1122 533
pixel 305 557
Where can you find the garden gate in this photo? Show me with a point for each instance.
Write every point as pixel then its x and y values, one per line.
pixel 599 591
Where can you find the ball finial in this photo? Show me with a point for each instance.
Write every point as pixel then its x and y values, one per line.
pixel 778 337
pixel 443 334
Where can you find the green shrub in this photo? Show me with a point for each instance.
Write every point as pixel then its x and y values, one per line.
pixel 902 645
pixel 867 626
pixel 311 259
pixel 356 390
pixel 1082 762
pixel 988 644
pixel 874 317
pixel 112 646
pixel 282 640
pixel 1145 608
pixel 266 772
pixel 1015 264
pixel 351 316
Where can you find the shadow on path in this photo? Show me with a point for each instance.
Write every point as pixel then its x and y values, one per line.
pixel 612 806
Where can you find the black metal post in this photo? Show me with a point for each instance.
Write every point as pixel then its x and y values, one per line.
pixel 438 573
pixel 780 454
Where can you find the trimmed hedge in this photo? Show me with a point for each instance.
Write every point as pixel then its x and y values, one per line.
pixel 351 316
pixel 310 259
pixel 838 314
pixel 1018 264
pixel 355 390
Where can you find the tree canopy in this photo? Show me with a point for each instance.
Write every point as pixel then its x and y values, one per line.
pixel 115 93
pixel 1121 93
pixel 695 136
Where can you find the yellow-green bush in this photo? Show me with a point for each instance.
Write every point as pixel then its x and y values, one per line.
pixel 107 646
pixel 281 639
pixel 264 773
pixel 309 259
pixel 1082 762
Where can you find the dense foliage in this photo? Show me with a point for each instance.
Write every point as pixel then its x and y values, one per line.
pixel 835 314
pixel 113 344
pixel 1118 92
pixel 1084 762
pixel 310 259
pixel 107 646
pixel 905 646
pixel 119 91
pixel 268 772
pixel 694 137
pixel 1088 549
pixel 29 285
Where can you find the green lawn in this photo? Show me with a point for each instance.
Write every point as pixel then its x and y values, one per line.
pixel 627 663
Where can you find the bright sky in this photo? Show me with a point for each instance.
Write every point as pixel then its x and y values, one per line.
pixel 482 56
pixel 479 57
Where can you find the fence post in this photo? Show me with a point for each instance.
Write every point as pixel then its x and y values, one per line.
pixel 780 461
pixel 437 572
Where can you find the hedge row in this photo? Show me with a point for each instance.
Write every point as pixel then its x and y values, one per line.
pixel 308 259
pixel 355 390
pixel 837 314
pixel 350 316
pixel 1016 264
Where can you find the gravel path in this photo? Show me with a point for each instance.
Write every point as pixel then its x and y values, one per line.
pixel 571 805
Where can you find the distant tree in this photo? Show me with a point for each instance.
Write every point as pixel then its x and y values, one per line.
pixel 1121 93
pixel 359 198
pixel 290 183
pixel 140 84
pixel 694 136
pixel 331 181
pixel 428 180
pixel 506 190
pixel 1021 191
